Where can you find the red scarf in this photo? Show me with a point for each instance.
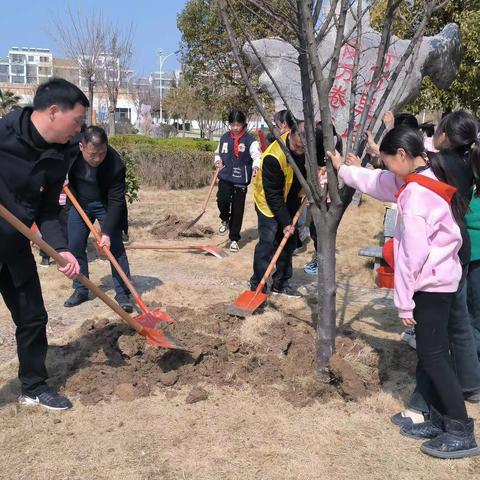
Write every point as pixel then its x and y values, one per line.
pixel 236 140
pixel 442 189
pixel 445 190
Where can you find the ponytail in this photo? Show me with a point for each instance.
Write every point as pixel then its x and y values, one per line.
pixel 462 132
pixel 460 205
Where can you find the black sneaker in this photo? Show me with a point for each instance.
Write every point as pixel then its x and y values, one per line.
pixel 48 399
pixel 76 299
pixel 402 419
pixel 45 263
pixel 125 303
pixel 287 291
pixel 472 397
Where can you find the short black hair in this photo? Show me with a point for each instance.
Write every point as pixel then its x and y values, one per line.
pixel 237 116
pixel 292 122
pixel 58 91
pixel 94 135
pixel 428 129
pixel 407 119
pixel 280 116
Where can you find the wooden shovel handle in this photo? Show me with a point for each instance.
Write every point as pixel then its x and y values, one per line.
pixel 280 248
pixel 23 229
pixel 105 249
pixel 212 186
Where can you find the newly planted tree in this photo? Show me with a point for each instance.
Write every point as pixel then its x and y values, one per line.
pixel 333 67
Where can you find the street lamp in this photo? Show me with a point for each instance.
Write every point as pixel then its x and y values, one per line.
pixel 162 61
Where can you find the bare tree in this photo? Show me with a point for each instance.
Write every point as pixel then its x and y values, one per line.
pixel 341 21
pixel 82 39
pixel 117 57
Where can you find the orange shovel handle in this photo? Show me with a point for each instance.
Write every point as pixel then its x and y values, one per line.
pixel 212 186
pixel 22 228
pixel 280 248
pixel 106 250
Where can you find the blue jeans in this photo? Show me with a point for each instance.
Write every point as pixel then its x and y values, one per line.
pixel 462 351
pixel 77 244
pixel 473 300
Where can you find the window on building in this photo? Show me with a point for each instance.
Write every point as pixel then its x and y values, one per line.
pixel 16 58
pixel 32 80
pixel 18 79
pixel 31 58
pixel 3 69
pixel 4 78
pixel 43 70
pixel 31 70
pixel 18 70
pixel 122 114
pixel 44 59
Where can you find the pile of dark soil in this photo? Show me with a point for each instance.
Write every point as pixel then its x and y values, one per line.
pixel 110 361
pixel 171 227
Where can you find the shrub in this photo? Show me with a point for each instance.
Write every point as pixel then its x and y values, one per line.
pixel 167 168
pixel 192 144
pixel 132 183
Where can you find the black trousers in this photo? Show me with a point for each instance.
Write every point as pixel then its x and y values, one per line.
pixel 440 388
pixel 26 306
pixel 270 234
pixel 231 203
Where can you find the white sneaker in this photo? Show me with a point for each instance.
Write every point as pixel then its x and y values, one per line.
pixel 234 247
pixel 408 336
pixel 222 230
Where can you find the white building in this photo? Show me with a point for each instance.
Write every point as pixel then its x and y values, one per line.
pixel 26 66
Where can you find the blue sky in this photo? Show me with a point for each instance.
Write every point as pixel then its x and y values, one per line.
pixel 28 24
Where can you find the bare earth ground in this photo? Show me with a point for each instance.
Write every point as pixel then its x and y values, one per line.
pixel 243 403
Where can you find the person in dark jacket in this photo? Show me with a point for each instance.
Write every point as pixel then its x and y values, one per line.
pixel 238 155
pixel 33 167
pixel 276 193
pixel 97 179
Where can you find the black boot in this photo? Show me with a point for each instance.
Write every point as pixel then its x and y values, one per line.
pixel 429 429
pixel 458 440
pixel 77 298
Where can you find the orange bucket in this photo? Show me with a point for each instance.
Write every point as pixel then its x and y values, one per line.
pixel 385 277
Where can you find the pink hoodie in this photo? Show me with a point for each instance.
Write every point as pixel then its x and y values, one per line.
pixel 427 238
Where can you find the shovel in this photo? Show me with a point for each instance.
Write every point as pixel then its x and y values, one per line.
pixel 214 250
pixel 249 301
pixel 155 338
pixel 204 208
pixel 147 318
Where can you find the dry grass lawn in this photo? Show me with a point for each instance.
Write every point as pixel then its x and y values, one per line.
pixel 236 433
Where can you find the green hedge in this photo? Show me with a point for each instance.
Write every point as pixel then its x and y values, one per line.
pixel 167 168
pixel 192 144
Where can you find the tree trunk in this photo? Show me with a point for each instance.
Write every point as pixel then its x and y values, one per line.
pixel 111 121
pixel 90 99
pixel 326 314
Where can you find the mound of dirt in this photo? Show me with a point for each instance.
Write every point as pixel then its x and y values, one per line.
pixel 171 227
pixel 109 361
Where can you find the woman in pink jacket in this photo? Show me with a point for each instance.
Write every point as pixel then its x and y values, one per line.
pixel 427 273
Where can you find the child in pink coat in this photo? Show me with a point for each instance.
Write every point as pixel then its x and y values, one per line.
pixel 427 273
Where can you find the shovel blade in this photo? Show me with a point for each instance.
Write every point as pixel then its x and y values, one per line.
pixel 159 339
pixel 247 303
pixel 152 319
pixel 214 250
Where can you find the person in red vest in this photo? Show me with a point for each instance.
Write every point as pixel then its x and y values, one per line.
pixel 238 156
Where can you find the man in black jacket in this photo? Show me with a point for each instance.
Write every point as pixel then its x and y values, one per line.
pixel 97 178
pixel 32 171
pixel 276 193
